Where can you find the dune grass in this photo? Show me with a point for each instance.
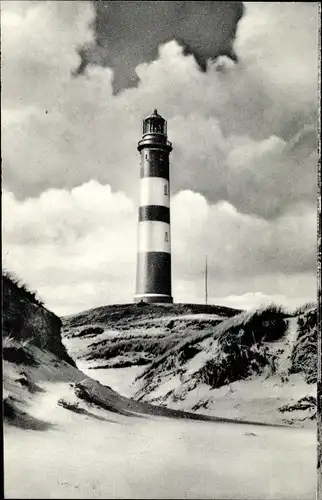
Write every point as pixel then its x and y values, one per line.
pixel 305 355
pixel 236 336
pixel 10 280
pixel 308 306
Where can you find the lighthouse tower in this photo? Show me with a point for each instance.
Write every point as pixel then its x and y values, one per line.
pixel 153 278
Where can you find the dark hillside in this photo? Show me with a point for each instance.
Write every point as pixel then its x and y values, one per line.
pixel 238 348
pixel 117 316
pixel 136 334
pixel 24 318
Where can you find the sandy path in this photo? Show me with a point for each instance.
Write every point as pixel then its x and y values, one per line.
pixel 158 457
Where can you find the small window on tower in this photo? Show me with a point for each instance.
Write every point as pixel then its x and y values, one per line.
pixel 166 237
pixel 166 190
pixel 146 156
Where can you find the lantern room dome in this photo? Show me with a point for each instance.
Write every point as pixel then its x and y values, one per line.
pixel 155 114
pixel 155 124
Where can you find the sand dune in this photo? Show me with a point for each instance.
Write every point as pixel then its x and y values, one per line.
pixel 112 447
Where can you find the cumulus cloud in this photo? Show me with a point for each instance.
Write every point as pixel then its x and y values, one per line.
pixel 279 46
pixel 243 165
pixel 239 244
pixel 127 35
pixel 78 247
pixel 38 49
pixel 71 130
pixel 72 244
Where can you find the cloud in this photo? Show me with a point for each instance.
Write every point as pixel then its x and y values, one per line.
pixel 239 244
pixel 127 35
pixel 254 300
pixel 78 247
pixel 225 125
pixel 38 42
pixel 243 165
pixel 60 216
pixel 278 43
pixel 71 244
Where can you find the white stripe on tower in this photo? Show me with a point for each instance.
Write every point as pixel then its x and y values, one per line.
pixel 154 236
pixel 154 191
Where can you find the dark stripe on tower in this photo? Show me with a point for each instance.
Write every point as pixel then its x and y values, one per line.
pixel 154 169
pixel 154 212
pixel 154 274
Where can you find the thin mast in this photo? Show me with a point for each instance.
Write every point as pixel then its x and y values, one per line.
pixel 206 280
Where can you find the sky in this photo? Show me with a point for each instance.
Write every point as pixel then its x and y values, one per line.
pixel 238 87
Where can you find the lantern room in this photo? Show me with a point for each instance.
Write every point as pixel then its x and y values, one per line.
pixel 154 124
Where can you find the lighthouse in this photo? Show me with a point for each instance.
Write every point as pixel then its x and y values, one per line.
pixel 153 274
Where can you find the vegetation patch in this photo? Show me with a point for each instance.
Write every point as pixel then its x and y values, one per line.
pixel 307 403
pixel 24 381
pixel 242 346
pixel 188 352
pixel 74 407
pixel 305 308
pixel 16 352
pixel 123 363
pixel 70 406
pixel 91 397
pixel 236 363
pixel 119 316
pixel 152 346
pixel 90 331
pixel 11 281
pixel 236 337
pixel 304 356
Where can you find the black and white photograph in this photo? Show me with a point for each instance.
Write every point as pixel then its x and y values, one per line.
pixel 161 249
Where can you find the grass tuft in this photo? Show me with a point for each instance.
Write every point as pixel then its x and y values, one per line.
pixel 308 306
pixel 70 406
pixel 12 281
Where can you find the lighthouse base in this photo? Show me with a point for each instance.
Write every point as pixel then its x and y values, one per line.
pixel 153 298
